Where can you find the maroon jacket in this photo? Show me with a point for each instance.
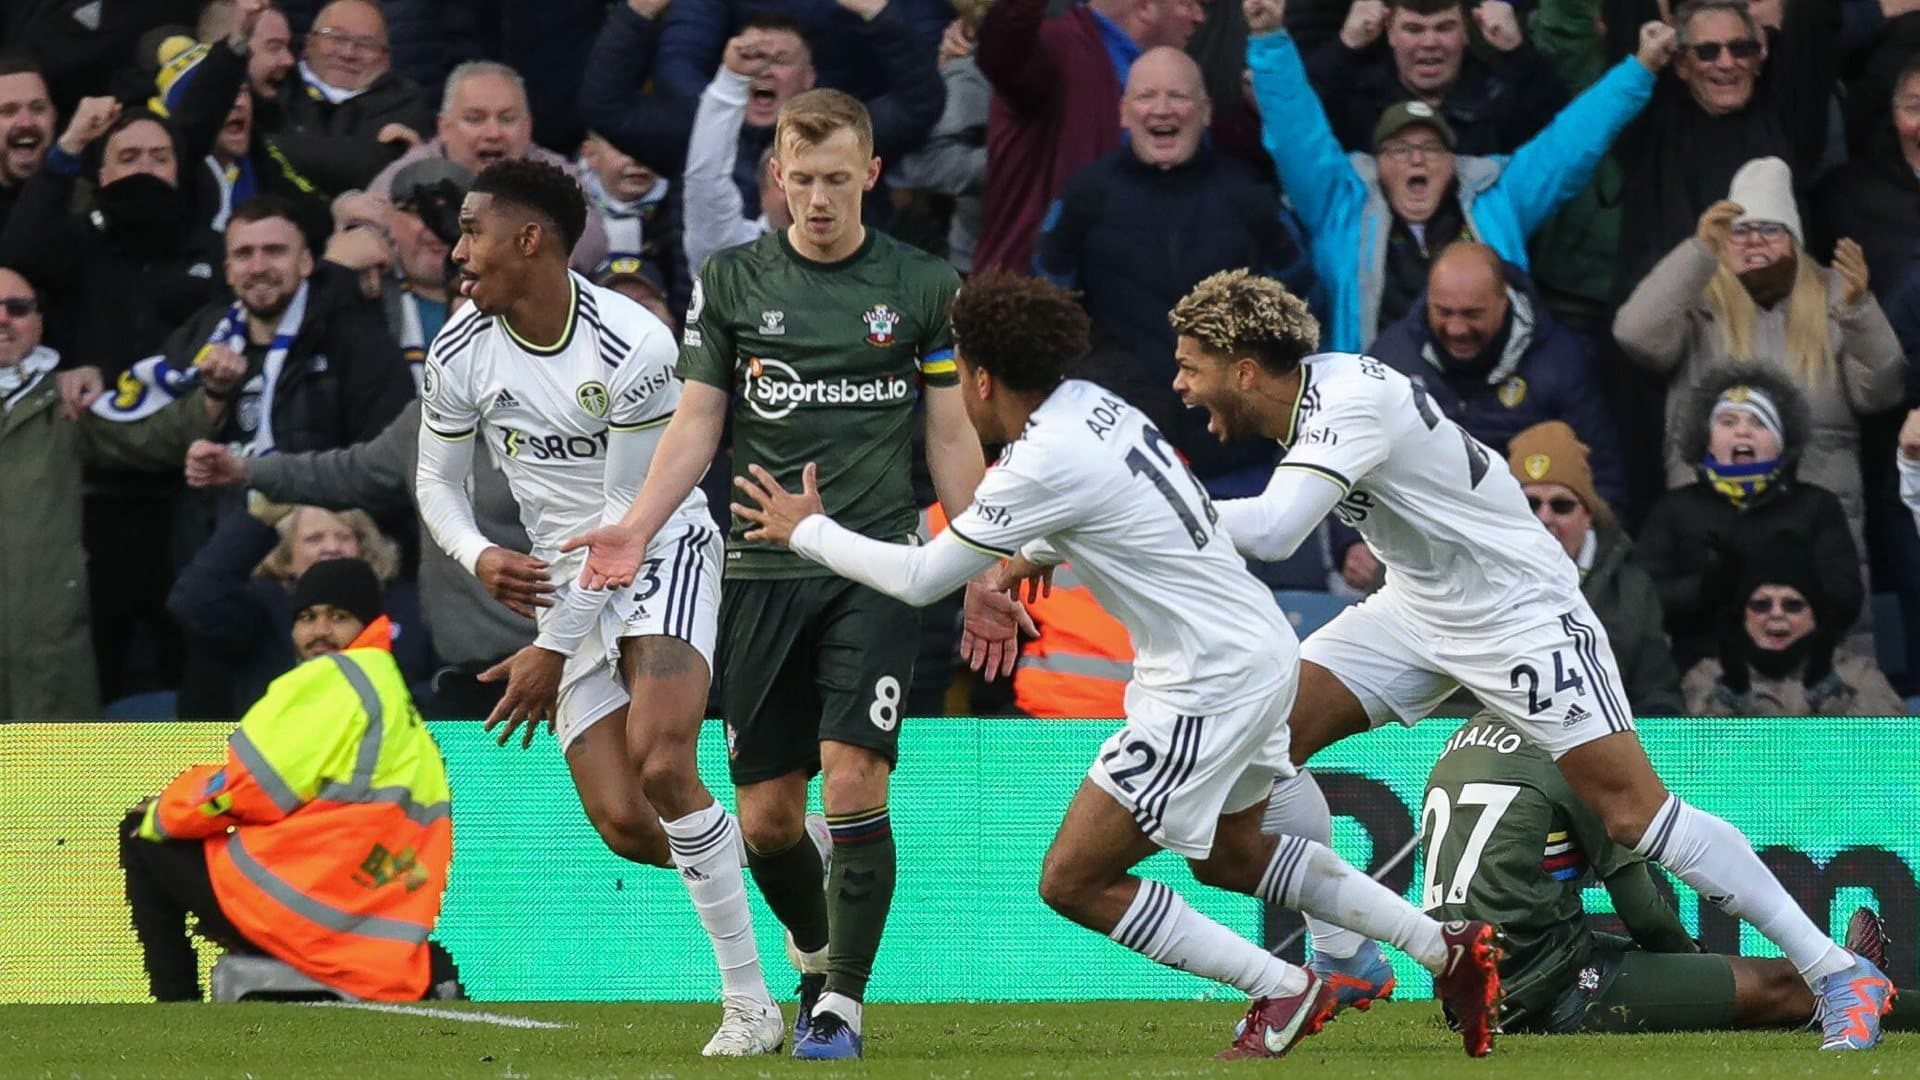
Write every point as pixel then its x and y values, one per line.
pixel 1056 110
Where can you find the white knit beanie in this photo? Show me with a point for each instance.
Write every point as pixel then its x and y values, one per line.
pixel 1764 189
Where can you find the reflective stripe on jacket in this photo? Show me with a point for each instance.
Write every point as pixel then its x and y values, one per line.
pixel 329 829
pixel 1080 664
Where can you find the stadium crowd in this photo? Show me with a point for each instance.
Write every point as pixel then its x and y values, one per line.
pixel 1673 277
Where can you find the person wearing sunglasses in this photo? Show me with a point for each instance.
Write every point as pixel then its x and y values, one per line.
pixel 1781 660
pixel 48 662
pixel 1745 290
pixel 1552 466
pixel 1746 430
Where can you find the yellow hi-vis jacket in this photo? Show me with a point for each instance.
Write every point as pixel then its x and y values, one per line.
pixel 328 829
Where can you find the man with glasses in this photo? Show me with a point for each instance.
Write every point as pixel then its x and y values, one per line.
pixel 1376 221
pixel 47 664
pixel 347 99
pixel 1551 463
pixel 1739 93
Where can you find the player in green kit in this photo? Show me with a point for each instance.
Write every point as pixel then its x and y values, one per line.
pixel 819 340
pixel 1507 842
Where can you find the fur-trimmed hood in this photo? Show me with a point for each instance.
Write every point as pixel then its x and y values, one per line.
pixel 1795 416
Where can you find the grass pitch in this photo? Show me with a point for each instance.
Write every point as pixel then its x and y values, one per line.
pixel 1095 1040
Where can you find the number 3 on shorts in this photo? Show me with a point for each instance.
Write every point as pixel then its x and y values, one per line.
pixel 885 711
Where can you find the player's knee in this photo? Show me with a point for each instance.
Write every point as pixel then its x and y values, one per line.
pixel 1626 821
pixel 666 776
pixel 632 832
pixel 854 781
pixel 1063 888
pixel 771 835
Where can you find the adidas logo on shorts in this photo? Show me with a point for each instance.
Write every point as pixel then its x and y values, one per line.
pixel 1575 716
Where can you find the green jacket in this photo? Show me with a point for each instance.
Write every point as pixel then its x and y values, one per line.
pixel 1573 253
pixel 1623 597
pixel 46 644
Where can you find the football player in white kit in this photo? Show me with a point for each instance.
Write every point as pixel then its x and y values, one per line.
pixel 1477 595
pixel 1085 477
pixel 570 386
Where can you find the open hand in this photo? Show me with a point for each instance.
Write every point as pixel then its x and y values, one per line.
pixel 1851 264
pixel 532 695
pixel 991 625
pixel 777 511
pixel 515 579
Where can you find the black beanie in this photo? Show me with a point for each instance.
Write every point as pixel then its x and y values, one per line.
pixel 348 584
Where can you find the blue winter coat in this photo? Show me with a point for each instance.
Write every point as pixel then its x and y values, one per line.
pixel 1339 200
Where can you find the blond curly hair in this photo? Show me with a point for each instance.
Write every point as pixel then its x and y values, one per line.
pixel 1240 313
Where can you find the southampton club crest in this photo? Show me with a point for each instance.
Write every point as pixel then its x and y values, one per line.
pixel 592 397
pixel 881 320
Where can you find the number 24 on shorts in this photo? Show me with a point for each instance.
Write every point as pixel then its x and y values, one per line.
pixel 1564 678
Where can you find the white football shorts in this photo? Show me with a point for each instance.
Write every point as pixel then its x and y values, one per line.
pixel 1179 774
pixel 1554 679
pixel 676 594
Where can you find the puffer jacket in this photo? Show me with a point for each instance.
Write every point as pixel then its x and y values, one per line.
pixel 1668 327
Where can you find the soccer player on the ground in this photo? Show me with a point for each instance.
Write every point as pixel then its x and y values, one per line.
pixel 1087 478
pixel 1508 842
pixel 1478 595
pixel 825 329
pixel 571 386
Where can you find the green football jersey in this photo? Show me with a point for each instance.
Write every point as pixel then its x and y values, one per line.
pixel 1507 842
pixel 825 362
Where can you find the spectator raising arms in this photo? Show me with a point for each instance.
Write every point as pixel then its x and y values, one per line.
pixel 1374 222
pixel 1494 104
pixel 1744 290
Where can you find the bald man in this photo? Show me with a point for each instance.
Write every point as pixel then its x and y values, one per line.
pixel 346 114
pixel 1137 229
pixel 1495 362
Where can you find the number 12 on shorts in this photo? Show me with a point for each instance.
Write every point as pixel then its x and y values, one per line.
pixel 1565 677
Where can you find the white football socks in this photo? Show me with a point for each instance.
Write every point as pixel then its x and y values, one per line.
pixel 1298 807
pixel 1313 880
pixel 706 846
pixel 1717 861
pixel 1161 926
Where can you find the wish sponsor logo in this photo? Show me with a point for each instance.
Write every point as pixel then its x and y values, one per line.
pixel 774 389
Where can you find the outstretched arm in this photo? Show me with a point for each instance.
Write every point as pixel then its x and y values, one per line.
pixel 1272 525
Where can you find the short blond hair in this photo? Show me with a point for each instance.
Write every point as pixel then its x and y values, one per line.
pixel 376 548
pixel 811 118
pixel 1240 313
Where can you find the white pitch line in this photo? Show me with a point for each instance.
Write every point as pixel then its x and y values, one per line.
pixel 446 1014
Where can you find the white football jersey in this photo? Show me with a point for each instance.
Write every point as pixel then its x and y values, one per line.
pixel 1094 478
pixel 1438 508
pixel 545 414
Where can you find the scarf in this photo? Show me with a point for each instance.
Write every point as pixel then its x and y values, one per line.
pixel 1738 483
pixel 412 334
pixel 625 222
pixel 1502 356
pixel 18 380
pixel 152 384
pixel 236 182
pixel 323 91
pixel 1769 285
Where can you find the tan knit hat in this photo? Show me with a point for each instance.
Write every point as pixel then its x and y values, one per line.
pixel 1550 453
